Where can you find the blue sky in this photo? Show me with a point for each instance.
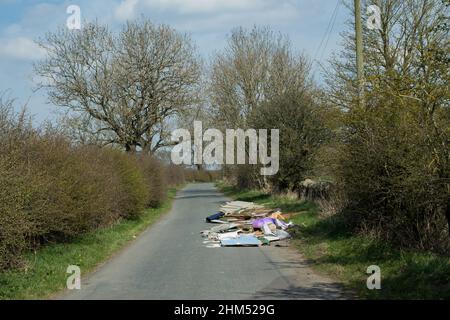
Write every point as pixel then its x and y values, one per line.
pixel 208 22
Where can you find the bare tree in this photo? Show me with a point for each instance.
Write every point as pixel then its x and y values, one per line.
pixel 257 65
pixel 397 56
pixel 124 87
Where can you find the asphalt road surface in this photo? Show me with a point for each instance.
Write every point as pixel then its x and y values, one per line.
pixel 170 261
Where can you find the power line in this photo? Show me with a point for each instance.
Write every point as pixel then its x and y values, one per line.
pixel 331 30
pixel 327 33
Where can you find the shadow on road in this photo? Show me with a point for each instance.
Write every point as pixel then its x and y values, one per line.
pixel 316 291
pixel 211 195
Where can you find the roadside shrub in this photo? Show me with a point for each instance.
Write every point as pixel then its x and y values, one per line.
pixel 299 117
pixel 15 190
pixel 74 194
pixel 133 192
pixel 154 174
pixel 393 175
pixel 245 176
pixel 175 175
pixel 192 175
pixel 17 186
pixel 52 191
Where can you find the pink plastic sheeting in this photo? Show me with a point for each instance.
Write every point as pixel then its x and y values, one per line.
pixel 258 223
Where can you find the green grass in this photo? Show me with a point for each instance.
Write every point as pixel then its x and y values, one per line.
pixel 46 271
pixel 336 252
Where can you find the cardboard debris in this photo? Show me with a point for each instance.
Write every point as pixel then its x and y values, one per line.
pixel 224 227
pixel 241 241
pixel 237 206
pixel 241 223
pixel 218 221
pixel 228 235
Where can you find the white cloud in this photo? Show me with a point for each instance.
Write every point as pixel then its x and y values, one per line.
pixel 280 15
pixel 126 9
pixel 206 16
pixel 20 48
pixel 205 6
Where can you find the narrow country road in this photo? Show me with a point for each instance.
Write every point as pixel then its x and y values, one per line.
pixel 170 261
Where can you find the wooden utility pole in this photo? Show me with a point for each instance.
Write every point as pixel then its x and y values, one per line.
pixel 359 53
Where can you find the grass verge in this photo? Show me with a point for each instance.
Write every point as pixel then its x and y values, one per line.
pixel 336 252
pixel 46 271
